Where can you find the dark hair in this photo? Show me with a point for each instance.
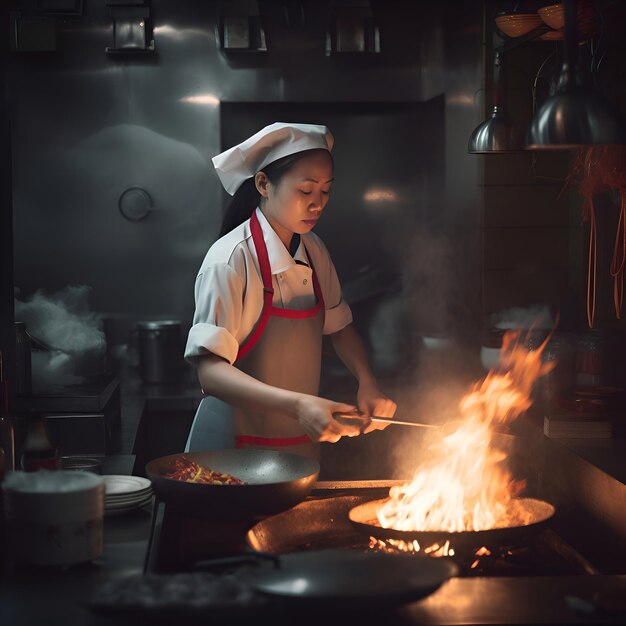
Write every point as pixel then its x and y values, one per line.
pixel 247 198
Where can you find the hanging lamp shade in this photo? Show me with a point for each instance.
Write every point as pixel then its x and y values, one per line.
pixel 572 118
pixel 575 115
pixel 497 134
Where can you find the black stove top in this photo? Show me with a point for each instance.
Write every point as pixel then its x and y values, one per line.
pixel 178 542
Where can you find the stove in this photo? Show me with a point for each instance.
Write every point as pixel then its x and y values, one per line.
pixel 178 542
pixel 82 419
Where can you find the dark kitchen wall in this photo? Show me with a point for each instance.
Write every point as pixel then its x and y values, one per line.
pixel 97 131
pixel 535 247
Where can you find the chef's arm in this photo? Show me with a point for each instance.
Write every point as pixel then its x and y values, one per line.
pixel 222 380
pixel 350 349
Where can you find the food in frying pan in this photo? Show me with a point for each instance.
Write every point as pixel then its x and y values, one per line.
pixel 191 472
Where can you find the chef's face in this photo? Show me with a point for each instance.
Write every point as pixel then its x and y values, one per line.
pixel 295 203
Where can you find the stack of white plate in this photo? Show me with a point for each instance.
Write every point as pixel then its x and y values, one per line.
pixel 125 493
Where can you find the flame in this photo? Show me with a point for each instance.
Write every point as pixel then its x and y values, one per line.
pixel 465 484
pixel 398 545
pixel 480 552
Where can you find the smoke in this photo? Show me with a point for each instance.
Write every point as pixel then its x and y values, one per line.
pixel 68 341
pixel 428 283
pixel 430 394
pixel 426 325
pixel 536 317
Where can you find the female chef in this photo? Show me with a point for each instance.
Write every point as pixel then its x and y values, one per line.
pixel 266 293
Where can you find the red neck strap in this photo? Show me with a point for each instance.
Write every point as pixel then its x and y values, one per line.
pixel 268 291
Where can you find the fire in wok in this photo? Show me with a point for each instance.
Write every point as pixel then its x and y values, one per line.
pixel 464 492
pixel 526 515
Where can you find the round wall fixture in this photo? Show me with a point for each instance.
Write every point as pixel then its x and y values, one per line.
pixel 135 203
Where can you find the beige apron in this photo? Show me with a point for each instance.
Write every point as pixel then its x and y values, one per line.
pixel 284 350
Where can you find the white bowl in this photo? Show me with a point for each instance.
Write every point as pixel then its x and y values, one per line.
pixel 54 518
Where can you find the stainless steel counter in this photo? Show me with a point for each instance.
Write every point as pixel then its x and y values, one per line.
pixel 60 596
pixel 50 595
pixel 54 596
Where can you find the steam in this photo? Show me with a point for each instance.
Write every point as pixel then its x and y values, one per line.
pixel 69 336
pixel 413 335
pixel 431 326
pixel 537 317
pixel 431 395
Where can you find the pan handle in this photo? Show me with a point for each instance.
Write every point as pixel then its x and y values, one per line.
pixel 355 415
pixel 248 556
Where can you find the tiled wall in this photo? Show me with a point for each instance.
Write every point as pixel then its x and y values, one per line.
pixel 528 230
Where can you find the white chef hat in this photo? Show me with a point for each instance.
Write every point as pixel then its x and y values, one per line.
pixel 273 142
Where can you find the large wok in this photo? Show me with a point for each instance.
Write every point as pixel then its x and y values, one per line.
pixel 537 514
pixel 276 481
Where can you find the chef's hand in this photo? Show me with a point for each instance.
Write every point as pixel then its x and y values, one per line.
pixel 372 401
pixel 315 415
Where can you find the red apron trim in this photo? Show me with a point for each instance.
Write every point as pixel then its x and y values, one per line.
pixel 261 252
pixel 252 340
pixel 248 440
pixel 268 292
pixel 316 287
pixel 294 314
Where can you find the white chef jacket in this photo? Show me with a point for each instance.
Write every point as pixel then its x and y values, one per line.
pixel 229 289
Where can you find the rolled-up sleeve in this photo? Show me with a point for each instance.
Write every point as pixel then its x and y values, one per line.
pixel 219 303
pixel 337 317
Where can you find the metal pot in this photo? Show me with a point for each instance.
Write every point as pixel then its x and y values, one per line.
pixel 160 351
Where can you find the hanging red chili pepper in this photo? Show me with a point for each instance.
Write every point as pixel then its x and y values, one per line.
pixel 596 169
pixel 619 256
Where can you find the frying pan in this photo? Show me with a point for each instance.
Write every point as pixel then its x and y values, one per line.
pixel 538 513
pixel 276 481
pixel 347 579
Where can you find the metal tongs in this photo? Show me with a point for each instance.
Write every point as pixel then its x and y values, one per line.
pixel 445 429
pixel 366 420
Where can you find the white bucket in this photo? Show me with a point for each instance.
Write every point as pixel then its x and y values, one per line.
pixel 54 517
